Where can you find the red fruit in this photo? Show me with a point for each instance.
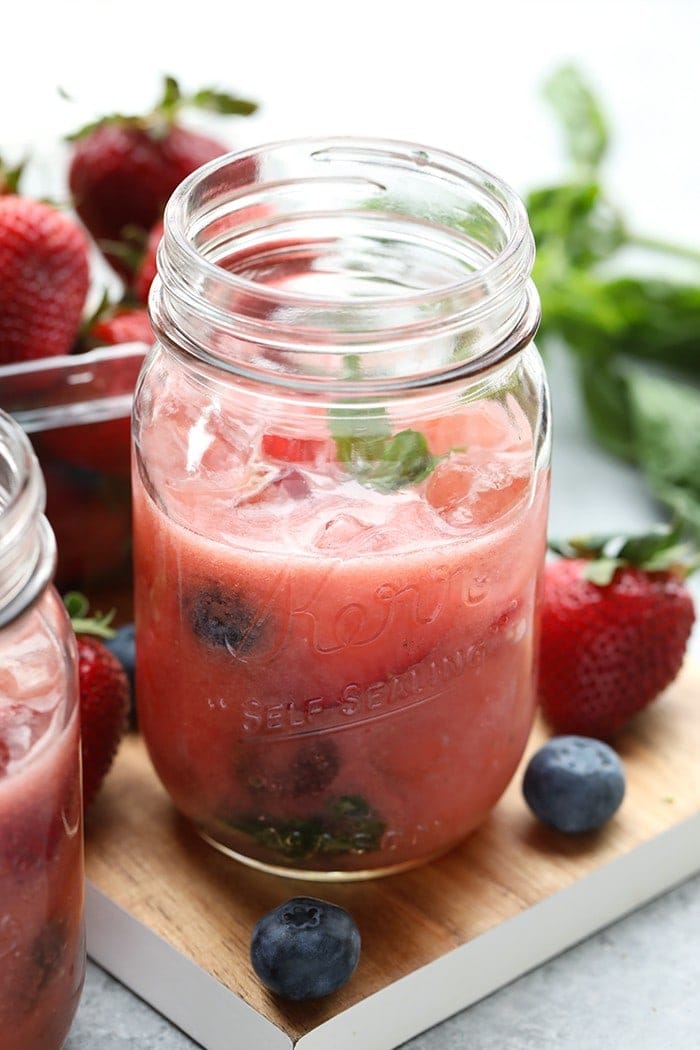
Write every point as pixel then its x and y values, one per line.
pixel 124 169
pixel 44 279
pixel 121 326
pixel 608 649
pixel 147 268
pixel 294 449
pixel 104 697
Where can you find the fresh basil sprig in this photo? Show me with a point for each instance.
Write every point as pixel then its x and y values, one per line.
pixel 370 452
pixel 634 337
pixel 381 460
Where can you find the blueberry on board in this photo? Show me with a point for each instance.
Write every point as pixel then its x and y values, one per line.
pixel 574 783
pixel 305 948
pixel 223 619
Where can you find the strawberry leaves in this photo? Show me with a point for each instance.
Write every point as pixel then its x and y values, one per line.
pixel 168 108
pixel 99 624
pixel 662 549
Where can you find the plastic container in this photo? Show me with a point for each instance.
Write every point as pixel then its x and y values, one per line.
pixel 42 941
pixel 76 410
pixel 340 501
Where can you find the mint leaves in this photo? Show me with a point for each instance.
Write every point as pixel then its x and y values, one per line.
pixel 370 452
pixel 380 460
pixel 346 824
pixel 634 337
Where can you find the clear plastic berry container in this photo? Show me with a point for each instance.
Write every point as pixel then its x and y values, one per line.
pixel 76 410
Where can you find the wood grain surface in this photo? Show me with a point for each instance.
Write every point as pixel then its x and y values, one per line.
pixel 144 857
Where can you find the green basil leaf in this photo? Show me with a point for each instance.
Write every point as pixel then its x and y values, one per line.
pixel 580 116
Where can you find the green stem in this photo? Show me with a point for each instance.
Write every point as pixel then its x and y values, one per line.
pixel 655 244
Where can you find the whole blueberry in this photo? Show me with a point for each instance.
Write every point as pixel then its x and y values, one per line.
pixel 123 645
pixel 305 948
pixel 574 783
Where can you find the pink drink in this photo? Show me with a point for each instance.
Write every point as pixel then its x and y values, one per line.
pixel 42 956
pixel 331 677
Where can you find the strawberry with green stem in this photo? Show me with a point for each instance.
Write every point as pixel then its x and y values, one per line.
pixel 616 619
pixel 104 694
pixel 123 169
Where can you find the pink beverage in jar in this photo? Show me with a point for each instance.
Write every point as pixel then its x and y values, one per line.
pixel 339 537
pixel 42 949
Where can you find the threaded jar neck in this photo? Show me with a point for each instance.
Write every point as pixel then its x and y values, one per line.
pixel 27 545
pixel 318 262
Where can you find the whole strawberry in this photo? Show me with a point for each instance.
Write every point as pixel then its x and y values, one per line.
pixel 121 325
pixel 146 272
pixel 123 169
pixel 44 279
pixel 616 619
pixel 104 695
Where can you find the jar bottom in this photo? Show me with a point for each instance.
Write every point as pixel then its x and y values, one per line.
pixel 309 875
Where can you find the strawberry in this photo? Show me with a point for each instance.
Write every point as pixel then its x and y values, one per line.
pixel 123 169
pixel 104 695
pixel 616 619
pixel 44 279
pixel 121 325
pixel 146 271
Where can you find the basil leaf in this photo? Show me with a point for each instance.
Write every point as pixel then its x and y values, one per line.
pixel 406 460
pixel 666 419
pixel 580 116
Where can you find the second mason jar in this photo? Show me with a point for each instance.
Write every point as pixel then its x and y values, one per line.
pixel 340 500
pixel 42 939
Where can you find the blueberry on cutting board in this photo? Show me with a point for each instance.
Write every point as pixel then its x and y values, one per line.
pixel 305 948
pixel 574 783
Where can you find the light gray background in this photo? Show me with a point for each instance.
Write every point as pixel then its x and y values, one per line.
pixel 465 78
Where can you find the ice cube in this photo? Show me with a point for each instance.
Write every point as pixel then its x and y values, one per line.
pixel 342 531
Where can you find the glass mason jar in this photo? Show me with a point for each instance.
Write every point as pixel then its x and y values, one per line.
pixel 42 942
pixel 340 500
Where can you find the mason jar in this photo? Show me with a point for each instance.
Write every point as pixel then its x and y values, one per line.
pixel 42 942
pixel 340 500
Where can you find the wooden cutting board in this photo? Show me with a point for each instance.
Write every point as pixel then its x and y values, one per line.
pixel 171 917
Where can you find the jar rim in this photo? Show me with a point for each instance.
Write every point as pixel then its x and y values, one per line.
pixel 368 216
pixel 517 253
pixel 27 544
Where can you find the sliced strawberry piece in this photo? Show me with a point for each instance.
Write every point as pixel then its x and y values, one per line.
pixel 295 449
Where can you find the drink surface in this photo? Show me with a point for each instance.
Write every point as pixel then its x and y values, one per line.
pixel 331 676
pixel 41 863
